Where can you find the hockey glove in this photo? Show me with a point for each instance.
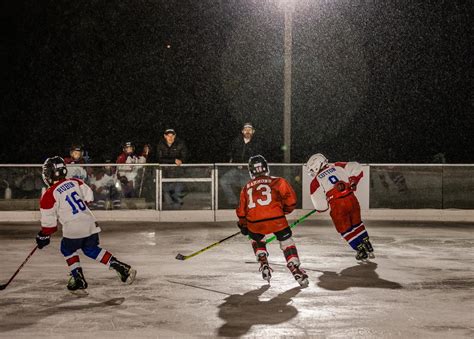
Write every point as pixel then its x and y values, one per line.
pixel 42 240
pixel 243 229
pixel 353 183
pixel 354 186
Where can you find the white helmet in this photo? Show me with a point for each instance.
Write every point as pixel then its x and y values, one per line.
pixel 315 163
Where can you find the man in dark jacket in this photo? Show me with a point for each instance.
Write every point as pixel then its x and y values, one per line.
pixel 171 150
pixel 242 148
pixel 245 145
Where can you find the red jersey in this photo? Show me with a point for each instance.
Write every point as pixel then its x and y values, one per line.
pixel 264 202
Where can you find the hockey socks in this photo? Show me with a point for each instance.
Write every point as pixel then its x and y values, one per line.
pixel 358 239
pixel 260 250
pixel 293 261
pixel 73 262
pixel 259 247
pixel 355 235
pixel 289 251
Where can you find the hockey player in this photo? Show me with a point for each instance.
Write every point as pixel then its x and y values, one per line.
pixel 333 187
pixel 264 202
pixel 66 200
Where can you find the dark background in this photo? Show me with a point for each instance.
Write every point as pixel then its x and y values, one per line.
pixel 374 82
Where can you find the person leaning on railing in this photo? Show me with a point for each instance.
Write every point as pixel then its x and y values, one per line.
pixel 172 150
pixel 241 149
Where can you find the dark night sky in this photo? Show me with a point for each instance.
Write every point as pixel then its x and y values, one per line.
pixel 372 81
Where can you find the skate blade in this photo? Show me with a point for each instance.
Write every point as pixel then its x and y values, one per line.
pixel 80 293
pixel 131 277
pixel 304 283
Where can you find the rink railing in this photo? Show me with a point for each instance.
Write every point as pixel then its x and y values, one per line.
pixel 209 192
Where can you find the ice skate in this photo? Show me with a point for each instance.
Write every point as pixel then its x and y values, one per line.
pixel 369 248
pixel 299 274
pixel 125 272
pixel 265 267
pixel 77 284
pixel 362 254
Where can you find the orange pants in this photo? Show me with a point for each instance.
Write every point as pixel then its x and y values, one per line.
pixel 345 212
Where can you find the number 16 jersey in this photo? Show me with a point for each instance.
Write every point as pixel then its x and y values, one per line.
pixel 264 202
pixel 66 200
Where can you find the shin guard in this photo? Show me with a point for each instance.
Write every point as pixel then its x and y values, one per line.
pixel 289 250
pixel 259 247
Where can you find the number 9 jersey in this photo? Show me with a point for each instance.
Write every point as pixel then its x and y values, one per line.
pixel 66 200
pixel 264 202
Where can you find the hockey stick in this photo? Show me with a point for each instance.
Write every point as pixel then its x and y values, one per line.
pixel 141 183
pixel 184 257
pixel 2 287
pixel 179 256
pixel 300 220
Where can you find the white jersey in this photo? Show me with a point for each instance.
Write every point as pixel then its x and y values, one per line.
pixel 323 188
pixel 77 172
pixel 66 200
pixel 105 181
pixel 130 172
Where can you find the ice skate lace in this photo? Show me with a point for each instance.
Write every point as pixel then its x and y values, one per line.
pixel 296 270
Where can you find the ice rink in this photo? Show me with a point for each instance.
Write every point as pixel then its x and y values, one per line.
pixel 419 286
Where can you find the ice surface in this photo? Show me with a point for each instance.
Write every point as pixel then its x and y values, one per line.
pixel 419 285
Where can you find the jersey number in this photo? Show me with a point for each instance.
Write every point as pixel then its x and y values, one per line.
pixel 333 179
pixel 265 190
pixel 74 201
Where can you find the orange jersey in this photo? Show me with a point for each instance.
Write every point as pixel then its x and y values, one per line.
pixel 264 201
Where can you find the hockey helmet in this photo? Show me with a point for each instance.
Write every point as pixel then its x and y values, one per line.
pixel 258 166
pixel 315 163
pixel 127 145
pixel 54 169
pixel 76 151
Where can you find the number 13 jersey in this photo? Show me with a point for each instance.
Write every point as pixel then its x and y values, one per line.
pixel 66 200
pixel 264 202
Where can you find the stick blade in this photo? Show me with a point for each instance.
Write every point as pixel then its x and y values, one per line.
pixel 179 256
pixel 2 287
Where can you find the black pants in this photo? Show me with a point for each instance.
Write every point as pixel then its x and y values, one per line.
pixel 280 235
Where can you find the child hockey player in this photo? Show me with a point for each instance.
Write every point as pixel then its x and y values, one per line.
pixel 66 200
pixel 264 202
pixel 333 186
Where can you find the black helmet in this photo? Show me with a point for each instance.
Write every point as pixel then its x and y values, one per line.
pixel 258 166
pixel 76 147
pixel 54 169
pixel 128 144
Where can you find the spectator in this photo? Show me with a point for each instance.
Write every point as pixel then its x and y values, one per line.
pixel 171 150
pixel 103 184
pixel 27 184
pixel 146 188
pixel 245 146
pixel 127 175
pixel 242 148
pixel 76 156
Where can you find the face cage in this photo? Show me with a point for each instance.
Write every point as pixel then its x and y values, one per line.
pixel 46 178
